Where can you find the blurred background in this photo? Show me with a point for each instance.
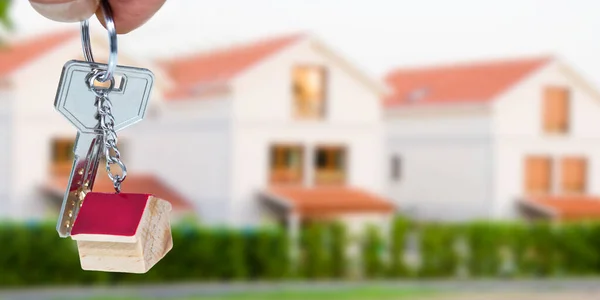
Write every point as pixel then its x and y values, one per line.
pixel 324 150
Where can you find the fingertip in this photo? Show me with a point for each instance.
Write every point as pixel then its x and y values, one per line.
pixel 130 15
pixel 65 10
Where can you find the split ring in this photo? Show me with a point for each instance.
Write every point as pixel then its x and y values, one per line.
pixel 112 38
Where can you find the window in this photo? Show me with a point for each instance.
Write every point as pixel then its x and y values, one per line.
pixel 286 165
pixel 396 165
pixel 538 175
pixel 556 110
pixel 62 156
pixel 309 92
pixel 574 171
pixel 330 165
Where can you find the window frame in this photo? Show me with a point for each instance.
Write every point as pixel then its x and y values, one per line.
pixel 324 92
pixel 565 182
pixel 396 167
pixel 331 168
pixel 527 185
pixel 61 155
pixel 551 123
pixel 272 163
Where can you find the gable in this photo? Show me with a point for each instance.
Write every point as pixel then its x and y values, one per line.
pixel 555 101
pixel 210 72
pixel 191 73
pixel 306 81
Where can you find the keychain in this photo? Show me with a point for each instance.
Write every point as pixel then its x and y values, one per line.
pixel 115 232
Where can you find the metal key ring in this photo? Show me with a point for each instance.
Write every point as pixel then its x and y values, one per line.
pixel 112 37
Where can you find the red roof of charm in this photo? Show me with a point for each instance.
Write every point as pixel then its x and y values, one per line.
pixel 110 214
pixel 220 65
pixel 468 82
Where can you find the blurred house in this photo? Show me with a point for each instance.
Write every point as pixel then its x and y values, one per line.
pixel 280 130
pixel 277 131
pixel 36 153
pixel 497 139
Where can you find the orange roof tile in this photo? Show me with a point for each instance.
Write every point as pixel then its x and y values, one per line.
pixel 321 201
pixel 13 56
pixel 219 65
pixel 474 82
pixel 134 183
pixel 568 208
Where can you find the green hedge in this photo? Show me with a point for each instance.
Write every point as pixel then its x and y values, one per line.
pixel 33 254
pixel 437 248
pixel 398 236
pixel 372 253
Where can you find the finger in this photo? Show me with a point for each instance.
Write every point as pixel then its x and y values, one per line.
pixel 131 14
pixel 65 10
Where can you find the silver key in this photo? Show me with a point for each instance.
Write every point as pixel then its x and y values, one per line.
pixel 75 101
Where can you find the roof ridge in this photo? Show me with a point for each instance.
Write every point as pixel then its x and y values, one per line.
pixel 24 39
pixel 461 82
pixel 189 71
pixel 241 44
pixel 19 51
pixel 472 63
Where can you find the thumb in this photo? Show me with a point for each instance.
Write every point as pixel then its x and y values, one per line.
pixel 65 10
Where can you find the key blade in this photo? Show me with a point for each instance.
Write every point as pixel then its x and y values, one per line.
pixel 87 150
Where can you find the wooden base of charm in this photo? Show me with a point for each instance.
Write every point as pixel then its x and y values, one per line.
pixel 126 233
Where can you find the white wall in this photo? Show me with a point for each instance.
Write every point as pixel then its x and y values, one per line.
pixel 35 124
pixel 518 129
pixel 445 153
pixel 6 120
pixel 188 146
pixel 263 116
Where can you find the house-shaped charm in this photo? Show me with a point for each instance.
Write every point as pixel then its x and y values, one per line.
pixel 122 232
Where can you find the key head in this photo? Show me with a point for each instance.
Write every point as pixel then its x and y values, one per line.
pixel 129 96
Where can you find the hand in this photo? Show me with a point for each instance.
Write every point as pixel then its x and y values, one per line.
pixel 128 14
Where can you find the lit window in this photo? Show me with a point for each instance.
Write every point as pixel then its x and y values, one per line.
pixel 62 156
pixel 330 165
pixel 309 92
pixel 286 165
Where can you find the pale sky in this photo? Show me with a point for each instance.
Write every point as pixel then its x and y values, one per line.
pixel 377 35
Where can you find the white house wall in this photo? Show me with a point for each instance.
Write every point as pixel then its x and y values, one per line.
pixel 36 123
pixel 518 130
pixel 445 169
pixel 6 120
pixel 188 146
pixel 263 116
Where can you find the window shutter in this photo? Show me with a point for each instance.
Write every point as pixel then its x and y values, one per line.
pixel 574 171
pixel 538 175
pixel 556 109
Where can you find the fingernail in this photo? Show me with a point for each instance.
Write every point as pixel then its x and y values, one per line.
pixel 65 10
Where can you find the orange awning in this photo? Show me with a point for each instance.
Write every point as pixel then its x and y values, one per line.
pixel 324 201
pixel 134 183
pixel 566 207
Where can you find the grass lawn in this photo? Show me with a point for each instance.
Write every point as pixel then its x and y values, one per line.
pixel 343 294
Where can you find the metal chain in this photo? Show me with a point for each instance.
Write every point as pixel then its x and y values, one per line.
pixel 107 125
